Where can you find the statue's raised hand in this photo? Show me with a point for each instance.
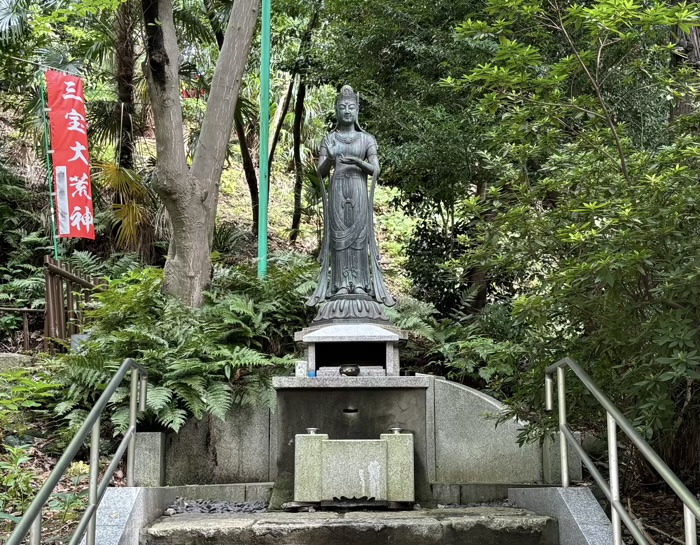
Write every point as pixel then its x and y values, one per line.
pixel 350 160
pixel 332 152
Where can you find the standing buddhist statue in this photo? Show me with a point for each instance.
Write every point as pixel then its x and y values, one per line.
pixel 351 286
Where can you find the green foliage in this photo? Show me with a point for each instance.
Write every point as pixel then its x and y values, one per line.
pixel 200 361
pixel 27 397
pixel 71 504
pixel 484 351
pixel 591 213
pixel 280 297
pixel 17 481
pixel 22 244
pixel 445 287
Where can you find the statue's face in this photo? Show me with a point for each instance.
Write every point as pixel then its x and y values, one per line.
pixel 347 112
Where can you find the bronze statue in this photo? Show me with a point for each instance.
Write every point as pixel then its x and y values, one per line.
pixel 351 285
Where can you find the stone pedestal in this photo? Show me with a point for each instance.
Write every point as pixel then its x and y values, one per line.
pixel 356 409
pixel 400 478
pixel 149 465
pixel 374 348
pixel 351 307
pixel 308 455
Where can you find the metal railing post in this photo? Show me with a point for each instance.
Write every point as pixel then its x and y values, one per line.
pixel 94 474
pixel 614 478
pixel 35 532
pixel 690 524
pixel 133 404
pixel 561 400
pixel 547 443
pixel 143 392
pixel 30 522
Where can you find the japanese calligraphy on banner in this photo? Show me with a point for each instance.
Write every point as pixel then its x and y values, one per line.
pixel 71 162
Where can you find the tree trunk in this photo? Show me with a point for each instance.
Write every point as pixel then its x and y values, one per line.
pixel 298 166
pixel 278 122
pixel 126 60
pixel 300 68
pixel 251 175
pixel 142 236
pixel 190 194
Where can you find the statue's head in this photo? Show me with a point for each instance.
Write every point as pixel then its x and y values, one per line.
pixel 347 106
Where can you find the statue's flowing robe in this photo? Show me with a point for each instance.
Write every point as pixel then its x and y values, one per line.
pixel 349 249
pixel 348 214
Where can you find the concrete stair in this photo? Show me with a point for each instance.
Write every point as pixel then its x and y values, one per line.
pixel 462 526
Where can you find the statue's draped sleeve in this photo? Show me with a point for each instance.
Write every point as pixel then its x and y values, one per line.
pixel 379 290
pixel 321 291
pixel 372 149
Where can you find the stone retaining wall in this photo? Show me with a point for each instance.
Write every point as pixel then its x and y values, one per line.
pixel 462 444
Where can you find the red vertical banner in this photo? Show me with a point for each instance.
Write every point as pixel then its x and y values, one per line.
pixel 70 159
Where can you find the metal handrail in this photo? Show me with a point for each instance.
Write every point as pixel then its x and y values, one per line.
pixel 615 418
pixel 31 519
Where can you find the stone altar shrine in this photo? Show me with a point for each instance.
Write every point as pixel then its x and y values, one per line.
pixel 349 342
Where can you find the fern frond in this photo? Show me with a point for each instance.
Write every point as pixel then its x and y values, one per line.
pixel 87 263
pixel 158 397
pixel 172 418
pixel 120 420
pixel 219 399
pixel 247 357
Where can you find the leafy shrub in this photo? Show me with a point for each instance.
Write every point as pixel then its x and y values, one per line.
pixel 280 297
pixel 482 350
pixel 22 244
pixel 27 398
pixel 199 360
pixel 593 208
pixel 230 241
pixel 430 246
pixel 17 481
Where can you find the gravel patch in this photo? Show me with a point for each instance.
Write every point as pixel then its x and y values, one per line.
pixel 182 505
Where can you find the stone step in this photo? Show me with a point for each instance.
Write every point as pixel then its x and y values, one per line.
pixel 462 526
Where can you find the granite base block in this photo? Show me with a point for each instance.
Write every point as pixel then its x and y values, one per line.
pixel 400 472
pixel 215 451
pixel 446 494
pixel 470 493
pixel 289 383
pixel 308 459
pixel 123 512
pixel 13 361
pixel 212 492
pixel 149 465
pixel 77 340
pixel 365 371
pixel 258 492
pixel 582 520
pixel 470 448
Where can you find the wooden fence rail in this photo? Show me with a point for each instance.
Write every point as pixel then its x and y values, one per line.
pixel 66 294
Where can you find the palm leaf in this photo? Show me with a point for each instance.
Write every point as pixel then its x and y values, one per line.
pixel 13 19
